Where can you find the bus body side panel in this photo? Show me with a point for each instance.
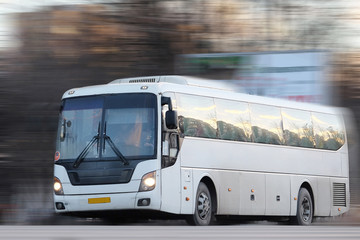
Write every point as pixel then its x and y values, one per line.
pixel 253 157
pixel 320 187
pixel 252 193
pixel 261 164
pixel 187 191
pixel 277 195
pixel 322 197
pixel 170 188
pixel 228 191
pixel 345 164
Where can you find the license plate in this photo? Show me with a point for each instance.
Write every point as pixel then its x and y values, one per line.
pixel 99 200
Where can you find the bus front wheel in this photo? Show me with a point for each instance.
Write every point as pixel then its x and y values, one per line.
pixel 203 207
pixel 305 208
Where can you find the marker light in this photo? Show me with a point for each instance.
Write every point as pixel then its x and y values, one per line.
pixel 58 190
pixel 148 182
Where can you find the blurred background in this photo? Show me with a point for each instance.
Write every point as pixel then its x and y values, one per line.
pixel 47 47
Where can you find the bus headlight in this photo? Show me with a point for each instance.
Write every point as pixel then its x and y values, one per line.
pixel 58 190
pixel 148 182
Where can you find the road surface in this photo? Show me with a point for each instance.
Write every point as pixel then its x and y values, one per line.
pixel 146 232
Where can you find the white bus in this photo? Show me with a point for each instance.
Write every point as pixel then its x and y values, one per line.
pixel 166 144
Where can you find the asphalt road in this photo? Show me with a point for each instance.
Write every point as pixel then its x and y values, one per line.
pixel 257 231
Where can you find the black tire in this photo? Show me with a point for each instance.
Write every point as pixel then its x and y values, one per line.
pixel 305 209
pixel 203 207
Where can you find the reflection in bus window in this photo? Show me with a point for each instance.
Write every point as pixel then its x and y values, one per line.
pixel 196 116
pixel 298 130
pixel 328 131
pixel 233 120
pixel 266 124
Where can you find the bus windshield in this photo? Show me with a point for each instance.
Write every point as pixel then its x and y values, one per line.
pixel 107 127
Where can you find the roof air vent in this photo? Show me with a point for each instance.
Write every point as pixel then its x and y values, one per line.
pixel 143 80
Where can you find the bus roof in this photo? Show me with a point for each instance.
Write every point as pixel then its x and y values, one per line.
pixel 182 80
pixel 190 85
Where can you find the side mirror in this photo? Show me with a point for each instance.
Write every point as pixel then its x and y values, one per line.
pixel 171 119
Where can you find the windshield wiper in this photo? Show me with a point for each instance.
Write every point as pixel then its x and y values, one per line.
pixel 116 150
pixel 84 152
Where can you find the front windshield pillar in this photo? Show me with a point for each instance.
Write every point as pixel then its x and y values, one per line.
pixel 170 137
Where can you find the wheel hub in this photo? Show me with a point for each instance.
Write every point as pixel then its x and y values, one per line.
pixel 203 206
pixel 305 209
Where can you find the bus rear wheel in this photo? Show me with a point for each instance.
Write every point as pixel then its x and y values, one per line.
pixel 203 207
pixel 305 208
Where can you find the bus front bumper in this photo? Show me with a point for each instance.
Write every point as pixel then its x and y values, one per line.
pixel 104 202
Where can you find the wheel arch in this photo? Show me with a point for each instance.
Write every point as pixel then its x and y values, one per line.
pixel 211 186
pixel 308 187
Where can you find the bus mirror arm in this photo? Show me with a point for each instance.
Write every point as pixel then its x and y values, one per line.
pixel 166 101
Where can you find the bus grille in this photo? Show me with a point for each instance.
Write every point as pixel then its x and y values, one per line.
pixel 339 194
pixel 143 80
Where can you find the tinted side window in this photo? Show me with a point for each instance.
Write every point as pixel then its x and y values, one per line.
pixel 196 116
pixel 266 124
pixel 233 120
pixel 298 130
pixel 328 131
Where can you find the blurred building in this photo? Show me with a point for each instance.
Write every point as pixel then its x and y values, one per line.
pixel 294 75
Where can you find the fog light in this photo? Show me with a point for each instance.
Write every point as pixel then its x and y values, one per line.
pixel 59 206
pixel 144 202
